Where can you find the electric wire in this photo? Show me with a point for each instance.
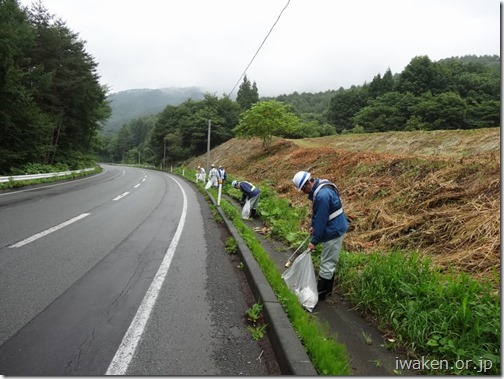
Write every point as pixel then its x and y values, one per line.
pixel 265 38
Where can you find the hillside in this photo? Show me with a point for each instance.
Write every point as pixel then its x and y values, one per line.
pixel 436 192
pixel 135 103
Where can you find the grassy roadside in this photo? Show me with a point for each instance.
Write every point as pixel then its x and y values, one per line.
pixel 23 183
pixel 327 355
pixel 448 319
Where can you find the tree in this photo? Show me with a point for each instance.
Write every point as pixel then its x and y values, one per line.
pixel 419 76
pixel 344 105
pixel 247 94
pixel 380 86
pixel 266 119
pixel 69 94
pixel 23 127
pixel 444 111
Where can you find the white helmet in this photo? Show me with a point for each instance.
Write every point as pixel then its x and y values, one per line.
pixel 300 179
pixel 233 183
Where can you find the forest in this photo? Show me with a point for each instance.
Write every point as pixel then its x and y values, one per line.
pixel 51 102
pixel 53 108
pixel 453 93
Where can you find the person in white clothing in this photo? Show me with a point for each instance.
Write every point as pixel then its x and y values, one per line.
pixel 214 176
pixel 202 173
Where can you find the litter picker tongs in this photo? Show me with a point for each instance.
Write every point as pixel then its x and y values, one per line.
pixel 291 258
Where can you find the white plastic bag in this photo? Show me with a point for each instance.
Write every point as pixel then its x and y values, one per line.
pixel 300 278
pixel 246 210
pixel 209 184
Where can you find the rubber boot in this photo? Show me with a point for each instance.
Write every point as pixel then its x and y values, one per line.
pixel 253 213
pixel 324 288
pixel 330 286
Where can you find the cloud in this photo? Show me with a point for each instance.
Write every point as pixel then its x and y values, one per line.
pixel 315 46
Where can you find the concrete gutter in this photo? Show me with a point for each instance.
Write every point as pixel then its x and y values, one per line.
pixel 289 352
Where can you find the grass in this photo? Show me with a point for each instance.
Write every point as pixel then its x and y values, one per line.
pixel 439 316
pixel 327 355
pixel 23 183
pixel 431 314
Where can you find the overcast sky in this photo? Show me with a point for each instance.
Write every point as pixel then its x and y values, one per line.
pixel 316 45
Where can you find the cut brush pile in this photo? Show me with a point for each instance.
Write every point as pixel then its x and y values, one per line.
pixel 441 198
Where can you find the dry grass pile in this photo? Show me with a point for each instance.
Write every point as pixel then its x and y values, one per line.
pixel 446 207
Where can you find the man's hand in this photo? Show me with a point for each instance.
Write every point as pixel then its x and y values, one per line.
pixel 311 247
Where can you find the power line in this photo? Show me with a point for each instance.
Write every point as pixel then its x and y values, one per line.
pixel 243 74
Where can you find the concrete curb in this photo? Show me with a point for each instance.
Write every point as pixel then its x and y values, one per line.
pixel 289 352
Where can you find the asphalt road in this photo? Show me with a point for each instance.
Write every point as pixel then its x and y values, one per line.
pixel 120 273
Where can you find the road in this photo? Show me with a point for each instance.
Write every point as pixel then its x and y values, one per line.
pixel 121 273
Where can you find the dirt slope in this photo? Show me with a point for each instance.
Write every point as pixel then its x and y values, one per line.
pixel 436 192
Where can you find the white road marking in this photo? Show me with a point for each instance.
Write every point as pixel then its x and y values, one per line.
pixel 120 196
pixel 48 231
pixel 126 351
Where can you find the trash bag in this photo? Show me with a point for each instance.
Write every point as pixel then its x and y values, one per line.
pixel 209 184
pixel 300 278
pixel 246 210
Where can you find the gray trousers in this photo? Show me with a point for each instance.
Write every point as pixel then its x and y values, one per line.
pixel 253 202
pixel 329 257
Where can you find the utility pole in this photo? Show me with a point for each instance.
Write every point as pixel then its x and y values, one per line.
pixel 208 147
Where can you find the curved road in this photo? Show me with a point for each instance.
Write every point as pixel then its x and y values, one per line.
pixel 121 273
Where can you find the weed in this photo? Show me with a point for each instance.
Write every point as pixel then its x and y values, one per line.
pixel 254 313
pixel 442 316
pixel 329 356
pixel 215 213
pixel 231 246
pixel 367 337
pixel 377 362
pixel 241 266
pixel 257 331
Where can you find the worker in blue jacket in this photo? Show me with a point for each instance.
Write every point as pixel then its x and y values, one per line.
pixel 328 225
pixel 249 193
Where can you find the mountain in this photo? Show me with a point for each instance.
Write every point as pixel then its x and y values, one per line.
pixel 135 103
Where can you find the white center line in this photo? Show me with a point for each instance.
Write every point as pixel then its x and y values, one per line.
pixel 48 231
pixel 120 196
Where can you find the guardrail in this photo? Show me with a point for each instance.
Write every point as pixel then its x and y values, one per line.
pixel 4 179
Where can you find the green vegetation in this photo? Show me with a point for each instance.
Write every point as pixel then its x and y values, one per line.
pixel 254 313
pixel 439 316
pixel 254 317
pixel 455 93
pixel 231 246
pixel 431 314
pixel 265 120
pixel 23 183
pixel 53 108
pixel 51 101
pixel 247 94
pixel 328 356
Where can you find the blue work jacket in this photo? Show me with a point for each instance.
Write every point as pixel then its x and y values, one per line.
pixel 248 190
pixel 325 203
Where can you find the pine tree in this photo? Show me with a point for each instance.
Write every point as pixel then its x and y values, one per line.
pixel 247 94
